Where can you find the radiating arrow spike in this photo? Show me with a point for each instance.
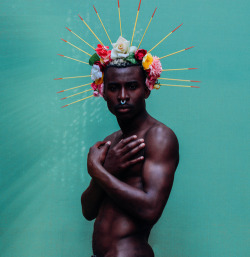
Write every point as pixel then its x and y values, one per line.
pixel 170 85
pixel 73 59
pixel 74 87
pixel 90 30
pixel 165 38
pixel 80 38
pixel 75 47
pixel 74 77
pixel 77 94
pixel 146 28
pixel 102 25
pixel 119 11
pixel 136 22
pixel 176 52
pixel 78 101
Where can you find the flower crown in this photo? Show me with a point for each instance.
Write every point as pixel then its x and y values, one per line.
pixel 125 53
pixel 122 52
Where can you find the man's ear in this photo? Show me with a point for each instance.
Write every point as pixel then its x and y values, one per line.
pixel 147 92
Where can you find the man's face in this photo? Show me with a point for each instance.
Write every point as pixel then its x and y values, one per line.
pixel 125 84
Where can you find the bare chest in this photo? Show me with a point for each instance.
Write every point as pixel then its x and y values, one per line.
pixel 133 174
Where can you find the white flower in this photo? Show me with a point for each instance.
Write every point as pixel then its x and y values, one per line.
pixel 120 48
pixel 132 49
pixel 96 72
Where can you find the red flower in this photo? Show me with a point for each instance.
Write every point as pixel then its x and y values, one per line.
pixel 139 54
pixel 102 51
pixel 102 66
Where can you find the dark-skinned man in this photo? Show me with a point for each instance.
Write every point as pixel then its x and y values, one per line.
pixel 132 170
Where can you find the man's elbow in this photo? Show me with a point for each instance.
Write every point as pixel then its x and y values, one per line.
pixel 87 214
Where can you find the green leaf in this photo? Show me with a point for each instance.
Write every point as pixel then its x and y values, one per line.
pixel 94 58
pixel 131 58
pixel 131 55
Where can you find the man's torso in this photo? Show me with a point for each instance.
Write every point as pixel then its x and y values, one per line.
pixel 115 230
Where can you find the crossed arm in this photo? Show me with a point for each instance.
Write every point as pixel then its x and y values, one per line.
pixel 161 157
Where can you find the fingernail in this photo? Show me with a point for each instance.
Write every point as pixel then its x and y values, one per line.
pixel 135 136
pixel 142 145
pixel 108 143
pixel 142 140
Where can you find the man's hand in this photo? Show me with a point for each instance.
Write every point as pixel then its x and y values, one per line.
pixel 121 156
pixel 97 155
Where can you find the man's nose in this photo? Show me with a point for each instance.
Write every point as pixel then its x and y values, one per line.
pixel 123 95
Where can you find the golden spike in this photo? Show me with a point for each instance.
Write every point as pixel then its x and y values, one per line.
pixel 180 80
pixel 146 28
pixel 75 47
pixel 90 30
pixel 103 25
pixel 80 38
pixel 119 11
pixel 74 88
pixel 136 22
pixel 78 101
pixel 177 85
pixel 77 94
pixel 180 69
pixel 176 52
pixel 164 38
pixel 74 77
pixel 73 59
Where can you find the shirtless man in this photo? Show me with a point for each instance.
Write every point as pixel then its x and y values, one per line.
pixel 132 170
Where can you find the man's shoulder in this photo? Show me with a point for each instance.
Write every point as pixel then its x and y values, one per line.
pixel 159 132
pixel 161 140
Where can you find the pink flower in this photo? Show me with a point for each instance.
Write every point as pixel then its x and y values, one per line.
pixel 139 54
pixel 95 94
pixel 94 86
pixel 102 51
pixel 155 68
pixel 100 89
pixel 150 82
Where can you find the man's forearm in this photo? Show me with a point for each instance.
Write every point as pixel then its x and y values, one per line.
pixel 91 200
pixel 133 200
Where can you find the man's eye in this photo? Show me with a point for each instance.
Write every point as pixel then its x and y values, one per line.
pixel 112 88
pixel 132 86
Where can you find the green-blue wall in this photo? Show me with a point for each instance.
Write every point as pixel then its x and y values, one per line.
pixel 43 147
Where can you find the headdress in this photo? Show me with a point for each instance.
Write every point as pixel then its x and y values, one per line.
pixel 121 53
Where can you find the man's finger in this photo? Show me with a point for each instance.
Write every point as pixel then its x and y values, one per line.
pixel 133 147
pixel 132 162
pixel 100 143
pixel 104 150
pixel 127 140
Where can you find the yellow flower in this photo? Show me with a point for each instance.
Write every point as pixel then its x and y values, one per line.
pixel 99 81
pixel 147 61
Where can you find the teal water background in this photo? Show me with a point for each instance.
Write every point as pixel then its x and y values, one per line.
pixel 43 148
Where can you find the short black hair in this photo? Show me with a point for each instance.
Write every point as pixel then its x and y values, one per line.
pixel 121 63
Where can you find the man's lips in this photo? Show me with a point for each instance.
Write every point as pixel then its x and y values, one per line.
pixel 125 106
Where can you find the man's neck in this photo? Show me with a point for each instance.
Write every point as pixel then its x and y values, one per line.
pixel 134 125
